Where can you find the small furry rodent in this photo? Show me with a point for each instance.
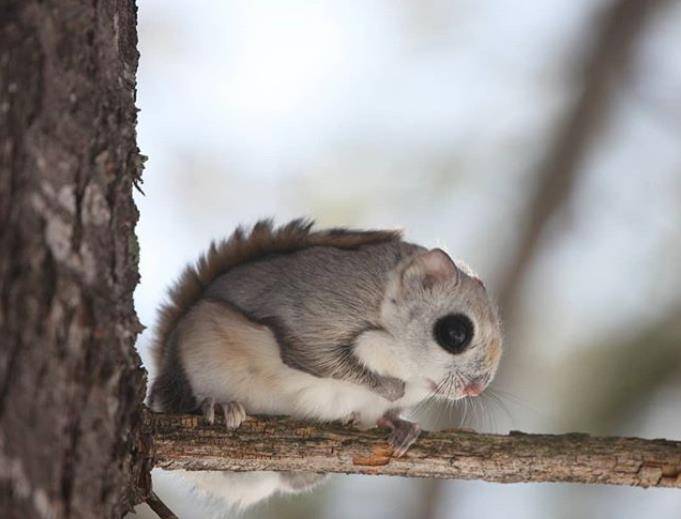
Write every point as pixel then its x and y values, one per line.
pixel 323 325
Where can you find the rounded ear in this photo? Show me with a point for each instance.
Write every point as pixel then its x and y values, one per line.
pixel 430 268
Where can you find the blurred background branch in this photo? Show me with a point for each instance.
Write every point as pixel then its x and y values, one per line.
pixel 623 373
pixel 605 66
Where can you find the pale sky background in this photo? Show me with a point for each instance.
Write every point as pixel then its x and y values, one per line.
pixel 429 116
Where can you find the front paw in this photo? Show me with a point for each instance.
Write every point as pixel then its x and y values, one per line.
pixel 233 412
pixel 403 433
pixel 390 388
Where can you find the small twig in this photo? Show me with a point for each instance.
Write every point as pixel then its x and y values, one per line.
pixel 273 443
pixel 159 507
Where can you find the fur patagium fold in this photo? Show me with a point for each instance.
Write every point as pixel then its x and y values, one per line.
pixel 325 325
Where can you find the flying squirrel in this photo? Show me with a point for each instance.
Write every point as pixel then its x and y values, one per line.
pixel 337 324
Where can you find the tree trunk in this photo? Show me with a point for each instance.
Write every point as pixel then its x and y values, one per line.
pixel 71 384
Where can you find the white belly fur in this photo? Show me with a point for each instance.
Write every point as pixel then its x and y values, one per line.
pixel 230 359
pixel 242 363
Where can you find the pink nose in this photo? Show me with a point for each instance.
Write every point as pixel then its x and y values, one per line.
pixel 473 389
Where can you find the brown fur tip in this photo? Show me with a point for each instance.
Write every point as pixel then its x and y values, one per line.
pixel 246 246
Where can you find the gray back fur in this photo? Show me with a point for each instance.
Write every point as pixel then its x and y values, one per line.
pixel 317 301
pixel 262 244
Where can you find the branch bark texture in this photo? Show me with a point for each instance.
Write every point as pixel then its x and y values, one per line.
pixel 273 443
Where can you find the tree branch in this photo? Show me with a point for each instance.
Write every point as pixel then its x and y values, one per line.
pixel 273 443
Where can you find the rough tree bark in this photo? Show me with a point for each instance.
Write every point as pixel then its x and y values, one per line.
pixel 271 443
pixel 71 384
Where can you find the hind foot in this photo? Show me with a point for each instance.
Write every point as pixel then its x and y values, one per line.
pixel 233 412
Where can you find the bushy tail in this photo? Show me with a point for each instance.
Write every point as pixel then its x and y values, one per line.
pixel 244 247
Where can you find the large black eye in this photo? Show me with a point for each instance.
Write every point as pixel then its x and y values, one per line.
pixel 453 332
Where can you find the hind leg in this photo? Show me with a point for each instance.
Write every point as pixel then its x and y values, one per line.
pixel 225 357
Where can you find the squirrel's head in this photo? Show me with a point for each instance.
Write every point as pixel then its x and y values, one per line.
pixel 444 323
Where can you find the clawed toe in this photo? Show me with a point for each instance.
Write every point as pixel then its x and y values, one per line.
pixel 233 412
pixel 208 409
pixel 403 435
